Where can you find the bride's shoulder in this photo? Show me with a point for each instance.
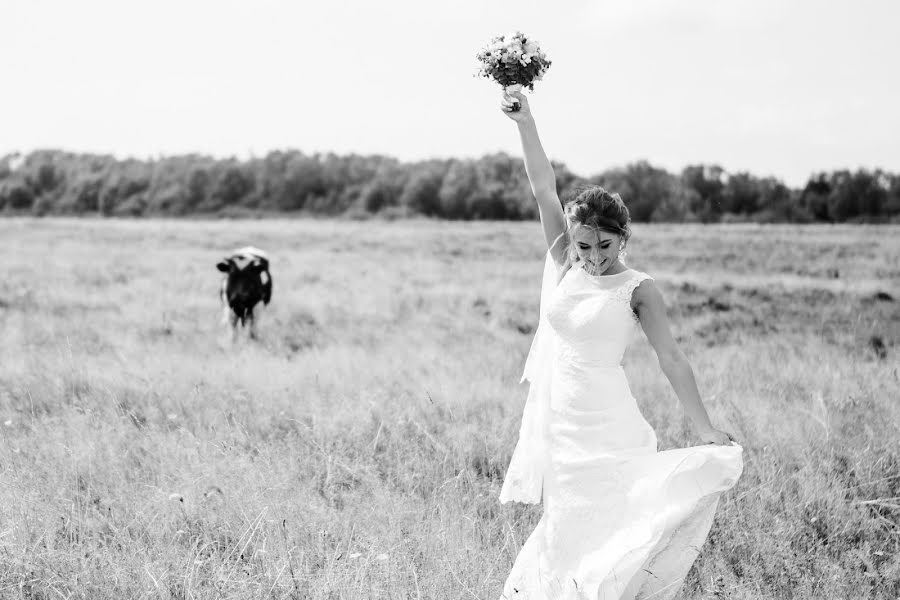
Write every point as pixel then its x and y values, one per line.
pixel 639 276
pixel 644 289
pixel 637 283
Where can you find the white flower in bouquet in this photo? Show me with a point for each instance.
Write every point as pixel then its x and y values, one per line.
pixel 514 61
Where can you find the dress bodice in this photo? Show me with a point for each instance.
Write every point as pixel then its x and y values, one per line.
pixel 592 315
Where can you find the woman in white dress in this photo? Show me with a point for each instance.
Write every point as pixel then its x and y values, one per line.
pixel 621 520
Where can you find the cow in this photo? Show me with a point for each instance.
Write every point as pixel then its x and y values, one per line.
pixel 247 282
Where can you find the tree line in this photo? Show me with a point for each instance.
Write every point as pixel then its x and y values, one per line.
pixel 495 186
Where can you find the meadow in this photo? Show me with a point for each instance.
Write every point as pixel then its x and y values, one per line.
pixel 357 449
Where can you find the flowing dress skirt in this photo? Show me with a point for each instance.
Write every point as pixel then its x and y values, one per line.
pixel 621 521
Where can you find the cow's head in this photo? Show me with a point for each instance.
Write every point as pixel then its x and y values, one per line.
pixel 239 263
pixel 247 280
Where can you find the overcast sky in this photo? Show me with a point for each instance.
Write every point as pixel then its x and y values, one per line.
pixel 776 87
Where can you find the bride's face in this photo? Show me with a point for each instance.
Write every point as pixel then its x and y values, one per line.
pixel 598 250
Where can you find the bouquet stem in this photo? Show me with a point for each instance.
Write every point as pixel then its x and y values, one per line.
pixel 516 87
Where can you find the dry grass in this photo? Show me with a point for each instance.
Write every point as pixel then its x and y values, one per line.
pixel 358 450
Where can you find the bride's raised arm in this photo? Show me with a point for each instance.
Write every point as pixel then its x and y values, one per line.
pixel 540 175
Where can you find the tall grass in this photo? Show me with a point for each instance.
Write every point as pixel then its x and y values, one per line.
pixel 358 449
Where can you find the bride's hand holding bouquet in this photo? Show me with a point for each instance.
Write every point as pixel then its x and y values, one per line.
pixel 515 105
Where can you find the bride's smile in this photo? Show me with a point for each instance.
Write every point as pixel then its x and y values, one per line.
pixel 597 250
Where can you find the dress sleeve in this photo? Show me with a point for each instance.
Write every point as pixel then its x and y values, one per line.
pixel 626 291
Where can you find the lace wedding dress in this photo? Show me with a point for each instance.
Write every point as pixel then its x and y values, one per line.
pixel 621 520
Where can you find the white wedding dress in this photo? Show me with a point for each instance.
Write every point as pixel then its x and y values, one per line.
pixel 621 520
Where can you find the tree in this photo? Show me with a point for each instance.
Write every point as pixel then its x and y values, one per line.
pixel 15 194
pixel 708 183
pixel 741 194
pixel 82 195
pixel 460 183
pixel 232 186
pixel 494 186
pixel 303 182
pixel 891 206
pixel 814 196
pixel 642 186
pixel 422 191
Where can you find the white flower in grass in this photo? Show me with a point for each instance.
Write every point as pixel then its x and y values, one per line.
pixel 355 555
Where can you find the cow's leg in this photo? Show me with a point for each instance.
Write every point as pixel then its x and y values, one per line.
pixel 255 316
pixel 251 316
pixel 227 321
pixel 234 326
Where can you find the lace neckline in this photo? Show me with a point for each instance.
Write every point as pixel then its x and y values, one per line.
pixel 603 279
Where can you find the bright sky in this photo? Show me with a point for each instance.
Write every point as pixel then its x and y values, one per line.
pixel 775 87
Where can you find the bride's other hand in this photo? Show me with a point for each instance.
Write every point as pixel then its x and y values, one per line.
pixel 509 98
pixel 714 436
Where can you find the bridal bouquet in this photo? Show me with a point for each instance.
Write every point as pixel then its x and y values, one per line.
pixel 513 61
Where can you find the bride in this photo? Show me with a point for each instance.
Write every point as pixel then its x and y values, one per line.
pixel 621 520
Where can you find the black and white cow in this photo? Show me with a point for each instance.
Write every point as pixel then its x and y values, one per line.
pixel 247 282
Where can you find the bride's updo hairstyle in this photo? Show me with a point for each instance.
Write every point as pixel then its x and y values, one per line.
pixel 598 209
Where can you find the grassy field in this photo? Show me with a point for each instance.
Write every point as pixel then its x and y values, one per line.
pixel 357 450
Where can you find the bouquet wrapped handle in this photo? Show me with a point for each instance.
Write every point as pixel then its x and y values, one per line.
pixel 517 87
